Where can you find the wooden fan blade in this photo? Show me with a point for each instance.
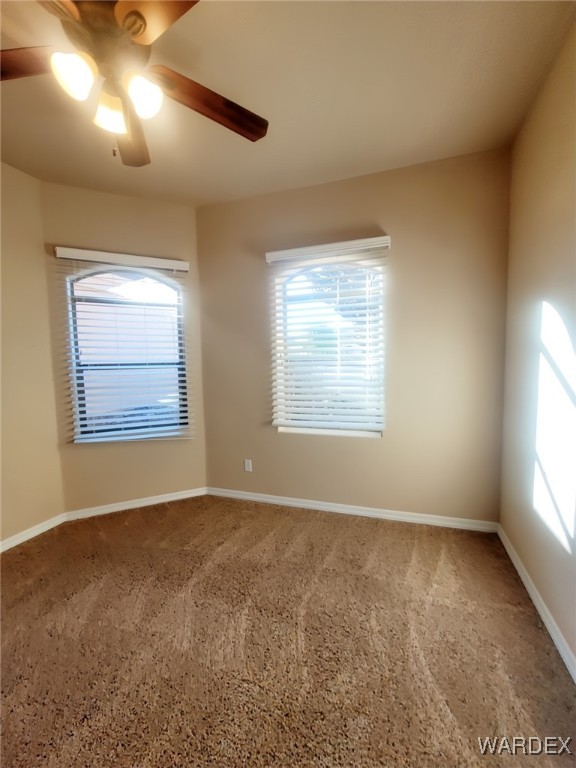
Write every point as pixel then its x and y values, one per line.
pixel 132 145
pixel 65 10
pixel 146 20
pixel 209 103
pixel 24 62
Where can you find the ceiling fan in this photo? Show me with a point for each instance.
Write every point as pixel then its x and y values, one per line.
pixel 113 39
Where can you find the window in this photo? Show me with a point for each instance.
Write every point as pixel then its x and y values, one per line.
pixel 328 338
pixel 127 361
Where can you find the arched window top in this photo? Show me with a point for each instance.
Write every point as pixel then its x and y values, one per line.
pixel 123 285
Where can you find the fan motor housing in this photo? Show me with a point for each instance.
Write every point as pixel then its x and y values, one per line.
pixel 111 46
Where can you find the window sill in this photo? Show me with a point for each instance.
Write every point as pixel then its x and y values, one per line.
pixel 329 432
pixel 132 438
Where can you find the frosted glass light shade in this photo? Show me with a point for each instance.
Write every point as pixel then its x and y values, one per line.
pixel 75 73
pixel 109 115
pixel 146 96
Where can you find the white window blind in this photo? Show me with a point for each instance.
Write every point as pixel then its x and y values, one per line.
pixel 328 337
pixel 125 347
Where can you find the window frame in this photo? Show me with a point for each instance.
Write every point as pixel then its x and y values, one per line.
pixel 72 267
pixel 362 254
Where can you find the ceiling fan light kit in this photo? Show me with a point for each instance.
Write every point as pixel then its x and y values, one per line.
pixel 146 96
pixel 112 39
pixel 109 112
pixel 75 73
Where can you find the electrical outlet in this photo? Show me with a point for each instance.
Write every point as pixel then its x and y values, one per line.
pixel 247 465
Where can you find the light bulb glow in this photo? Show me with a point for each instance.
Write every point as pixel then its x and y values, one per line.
pixel 75 73
pixel 109 115
pixel 146 97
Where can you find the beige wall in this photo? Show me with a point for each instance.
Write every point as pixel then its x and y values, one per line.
pixel 543 269
pixel 440 453
pixel 35 215
pixel 32 489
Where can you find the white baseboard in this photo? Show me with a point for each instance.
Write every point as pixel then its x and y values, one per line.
pixel 106 509
pixel 486 526
pixel 383 514
pixel 568 656
pixel 30 533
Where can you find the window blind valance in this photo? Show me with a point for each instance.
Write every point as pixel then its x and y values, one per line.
pixel 367 249
pixel 120 259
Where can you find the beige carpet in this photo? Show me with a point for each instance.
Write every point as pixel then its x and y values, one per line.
pixel 212 632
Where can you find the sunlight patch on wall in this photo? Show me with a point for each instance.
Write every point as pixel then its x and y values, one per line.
pixel 554 491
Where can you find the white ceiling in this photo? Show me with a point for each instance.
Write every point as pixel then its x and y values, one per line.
pixel 349 87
